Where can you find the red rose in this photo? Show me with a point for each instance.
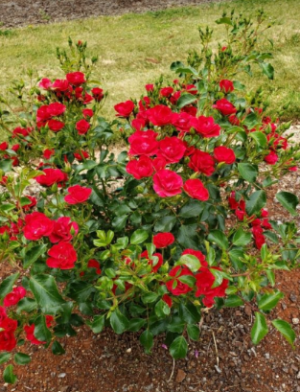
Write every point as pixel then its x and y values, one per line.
pixel 77 194
pixel 87 112
pixel 166 91
pixel 8 326
pixel 197 253
pixel 37 225
pixel 87 99
pixel 159 163
pixel 204 283
pixel 202 162
pixel 124 109
pixel 56 109
pixel 259 238
pixel 3 314
pixel 3 146
pixel 226 85
pixel 31 204
pixel 174 285
pixel 143 143
pixel 160 115
pixel 140 168
pixel 45 83
pixel 234 120
pixel 47 154
pixel 3 181
pixel 167 183
pixel 62 256
pixel 167 299
pixel 94 264
pixel 159 263
pixel 162 240
pixel 271 158
pixel 55 125
pixel 51 176
pixel 14 297
pixel 97 94
pixel 149 87
pixel 225 107
pixel 29 331
pixel 174 98
pixel 190 109
pixel 224 154
pixel 144 103
pixel 62 230
pixel 206 126
pixel 42 113
pixel 49 320
pixel 82 126
pixel 138 124
pixel 75 78
pixel 81 154
pixel 21 131
pixel 172 149
pixel 195 189
pixel 182 121
pixel 60 85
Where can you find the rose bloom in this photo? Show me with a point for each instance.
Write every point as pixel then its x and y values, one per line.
pixel 167 183
pixel 234 120
pixel 159 263
pixel 160 115
pixel 174 285
pixel 8 326
pixel 225 107
pixel 29 331
pixel 204 283
pixel 51 176
pixel 94 264
pixel 271 158
pixel 55 125
pixel 143 143
pixel 81 154
pixel 182 121
pixel 224 154
pixel 47 154
pixel 149 87
pixel 162 240
pixel 140 168
pixel 159 163
pixel 3 146
pixel 124 109
pixel 202 162
pixel 56 109
pixel 97 94
pixel 60 85
pixel 226 85
pixel 166 91
pixel 49 320
pixel 21 131
pixel 195 189
pixel 77 194
pixel 167 299
pixel 62 256
pixel 138 124
pixel 82 126
pixel 75 78
pixel 37 225
pixel 206 126
pixel 62 230
pixel 45 83
pixel 172 149
pixel 144 103
pixel 14 297
pixel 87 112
pixel 32 203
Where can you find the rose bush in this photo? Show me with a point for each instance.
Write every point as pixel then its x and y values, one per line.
pixel 172 227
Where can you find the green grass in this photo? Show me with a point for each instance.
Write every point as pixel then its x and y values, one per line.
pixel 135 49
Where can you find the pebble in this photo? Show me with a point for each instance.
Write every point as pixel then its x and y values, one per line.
pixel 298 376
pixel 62 375
pixel 180 375
pixel 295 321
pixel 293 297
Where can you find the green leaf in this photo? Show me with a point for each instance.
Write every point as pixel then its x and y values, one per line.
pixel 188 279
pixel 187 236
pixel 179 348
pixel 185 99
pixel 248 172
pixel 259 329
pixel 192 262
pixel 268 69
pixel 33 255
pixel 165 223
pixel 46 293
pixel 224 20
pixel 193 331
pixel 57 348
pixel 7 285
pixel 189 313
pixel 269 301
pixel 260 139
pixel 241 237
pixel 6 165
pixel 219 238
pixel 4 357
pixel 148 298
pixel 192 209
pixel 98 323
pixel 26 305
pixel 289 201
pixel 9 375
pixel 22 359
pixel 136 324
pixel 286 330
pixel 233 301
pixel 138 237
pixel 41 332
pixel 146 340
pixel 256 202
pixel 118 322
pixel 161 309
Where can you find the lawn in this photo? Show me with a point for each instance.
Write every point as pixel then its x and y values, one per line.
pixel 135 49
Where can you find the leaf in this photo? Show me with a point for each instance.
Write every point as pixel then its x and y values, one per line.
pixel 241 237
pixel 98 323
pixel 219 238
pixel 118 322
pixel 286 330
pixel 289 201
pixel 41 332
pixel 260 139
pixel 248 172
pixel 26 305
pixel 161 309
pixel 185 99
pixel 22 359
pixel 233 301
pixel 9 375
pixel 136 324
pixel 138 237
pixel 192 209
pixel 256 202
pixel 188 279
pixel 179 348
pixel 33 255
pixel 259 329
pixel 7 285
pixel 269 301
pixel 189 313
pixel 46 293
pixel 146 340
pixel 187 236
pixel 192 262
pixel 224 20
pixel 4 357
pixel 165 223
pixel 6 165
pixel 193 331
pixel 57 348
pixel 268 69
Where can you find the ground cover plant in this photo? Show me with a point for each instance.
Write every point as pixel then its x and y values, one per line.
pixel 173 226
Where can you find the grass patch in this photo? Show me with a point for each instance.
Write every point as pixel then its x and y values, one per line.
pixel 135 49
